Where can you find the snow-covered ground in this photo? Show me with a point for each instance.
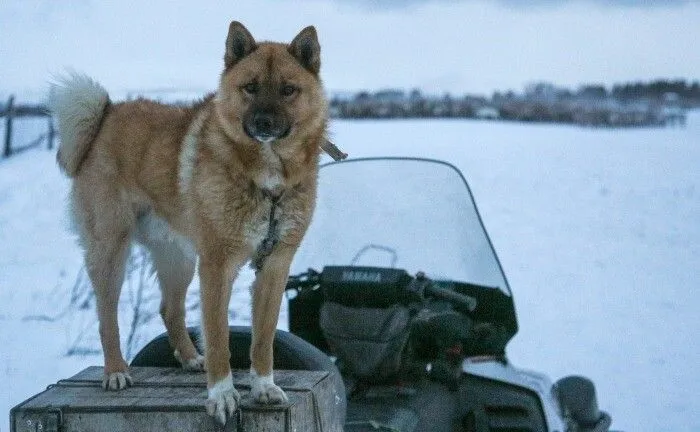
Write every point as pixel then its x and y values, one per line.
pixel 597 230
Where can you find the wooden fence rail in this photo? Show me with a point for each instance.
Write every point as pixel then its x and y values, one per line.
pixel 12 111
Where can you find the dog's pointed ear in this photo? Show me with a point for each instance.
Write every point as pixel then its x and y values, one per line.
pixel 306 49
pixel 239 43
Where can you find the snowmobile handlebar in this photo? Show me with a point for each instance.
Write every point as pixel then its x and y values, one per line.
pixel 393 286
pixel 421 286
pixel 457 299
pixel 303 280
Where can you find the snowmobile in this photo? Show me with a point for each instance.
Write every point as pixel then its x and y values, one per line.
pixel 398 293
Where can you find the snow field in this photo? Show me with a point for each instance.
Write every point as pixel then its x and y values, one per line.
pixel 597 230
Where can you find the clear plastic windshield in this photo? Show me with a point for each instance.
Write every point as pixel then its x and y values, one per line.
pixel 412 214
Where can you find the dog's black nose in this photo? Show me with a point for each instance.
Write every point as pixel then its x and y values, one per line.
pixel 263 123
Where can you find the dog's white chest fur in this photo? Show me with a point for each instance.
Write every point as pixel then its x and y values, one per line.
pixel 271 178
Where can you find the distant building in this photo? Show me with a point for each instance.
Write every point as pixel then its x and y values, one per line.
pixel 487 113
pixel 672 112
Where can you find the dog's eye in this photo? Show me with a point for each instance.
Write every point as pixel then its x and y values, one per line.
pixel 288 90
pixel 251 88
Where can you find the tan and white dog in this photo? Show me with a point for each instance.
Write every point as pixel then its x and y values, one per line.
pixel 230 179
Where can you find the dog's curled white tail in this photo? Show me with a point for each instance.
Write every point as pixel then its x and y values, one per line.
pixel 78 104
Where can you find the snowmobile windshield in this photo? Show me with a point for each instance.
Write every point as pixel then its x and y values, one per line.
pixel 412 214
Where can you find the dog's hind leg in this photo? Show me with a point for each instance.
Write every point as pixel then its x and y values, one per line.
pixel 105 259
pixel 104 221
pixel 174 262
pixel 175 270
pixel 107 276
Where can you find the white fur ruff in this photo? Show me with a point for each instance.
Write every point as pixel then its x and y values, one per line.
pixel 188 154
pixel 152 229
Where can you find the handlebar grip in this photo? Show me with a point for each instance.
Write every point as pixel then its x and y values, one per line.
pixel 303 280
pixel 461 300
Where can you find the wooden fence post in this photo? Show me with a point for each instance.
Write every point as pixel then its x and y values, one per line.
pixel 9 112
pixel 51 134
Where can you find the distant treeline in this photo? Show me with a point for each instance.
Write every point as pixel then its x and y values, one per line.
pixel 688 93
pixel 657 103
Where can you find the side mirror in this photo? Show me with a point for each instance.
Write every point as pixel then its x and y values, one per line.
pixel 577 398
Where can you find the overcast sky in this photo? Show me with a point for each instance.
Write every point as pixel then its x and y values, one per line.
pixel 474 46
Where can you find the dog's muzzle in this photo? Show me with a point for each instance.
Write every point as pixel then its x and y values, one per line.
pixel 266 128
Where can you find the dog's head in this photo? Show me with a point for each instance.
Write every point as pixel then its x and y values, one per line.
pixel 271 93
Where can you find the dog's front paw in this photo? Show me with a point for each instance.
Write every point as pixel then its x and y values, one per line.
pixel 223 400
pixel 117 381
pixel 194 364
pixel 264 391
